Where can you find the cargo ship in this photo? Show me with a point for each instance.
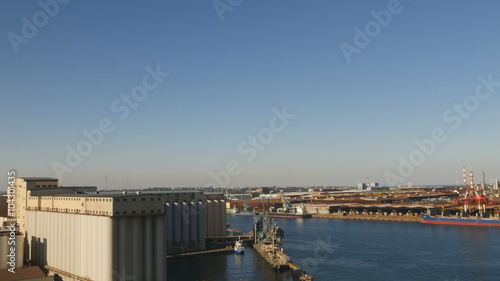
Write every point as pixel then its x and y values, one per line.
pixel 287 211
pixel 247 211
pixel 290 215
pixel 471 221
pixel 268 238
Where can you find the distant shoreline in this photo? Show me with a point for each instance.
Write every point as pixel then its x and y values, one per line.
pixel 413 219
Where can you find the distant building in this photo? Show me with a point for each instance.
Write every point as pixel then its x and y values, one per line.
pixel 264 190
pixel 362 186
pixel 81 189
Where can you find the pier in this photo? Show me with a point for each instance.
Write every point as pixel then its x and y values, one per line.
pixel 226 250
pixel 268 238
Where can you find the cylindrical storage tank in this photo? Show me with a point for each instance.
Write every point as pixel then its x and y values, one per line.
pixel 71 260
pixel 83 246
pixel 65 237
pixel 201 223
pixel 19 250
pixel 168 225
pixel 137 245
pixel 105 243
pixel 93 248
pixel 3 252
pixel 210 218
pixel 60 248
pixel 77 253
pixel 116 243
pixel 160 253
pixel 223 217
pixel 217 218
pixel 130 259
pixel 177 223
pixel 122 254
pixel 193 222
pixel 185 222
pixel 148 249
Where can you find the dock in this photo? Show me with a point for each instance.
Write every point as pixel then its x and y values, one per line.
pixel 226 250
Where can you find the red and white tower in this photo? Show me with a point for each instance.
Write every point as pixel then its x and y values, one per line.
pixel 471 179
pixel 465 179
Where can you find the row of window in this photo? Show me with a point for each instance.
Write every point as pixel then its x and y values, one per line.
pixel 135 199
pixel 66 210
pixel 98 199
pixel 134 212
pixel 72 199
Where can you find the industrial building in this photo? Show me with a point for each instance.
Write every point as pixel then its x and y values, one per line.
pixel 368 185
pixel 79 233
pixel 81 237
pixel 190 217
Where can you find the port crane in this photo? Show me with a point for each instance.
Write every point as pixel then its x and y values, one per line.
pixel 286 204
pixel 472 198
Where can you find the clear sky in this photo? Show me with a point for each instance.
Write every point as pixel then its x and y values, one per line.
pixel 363 81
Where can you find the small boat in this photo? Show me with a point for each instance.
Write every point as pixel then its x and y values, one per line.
pixel 238 247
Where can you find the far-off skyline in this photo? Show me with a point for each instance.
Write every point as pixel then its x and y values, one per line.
pixel 250 93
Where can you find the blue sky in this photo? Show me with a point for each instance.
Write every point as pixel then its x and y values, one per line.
pixel 353 119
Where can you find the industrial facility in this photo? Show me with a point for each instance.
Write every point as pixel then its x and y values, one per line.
pixel 79 233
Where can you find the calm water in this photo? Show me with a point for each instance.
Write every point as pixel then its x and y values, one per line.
pixel 360 250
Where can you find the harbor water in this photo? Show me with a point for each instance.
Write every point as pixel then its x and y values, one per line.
pixel 359 250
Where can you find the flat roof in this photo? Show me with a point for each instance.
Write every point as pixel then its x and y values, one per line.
pixel 38 178
pixel 128 193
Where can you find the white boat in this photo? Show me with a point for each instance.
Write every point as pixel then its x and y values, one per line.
pixel 238 247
